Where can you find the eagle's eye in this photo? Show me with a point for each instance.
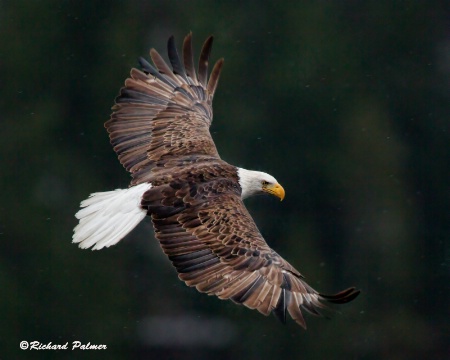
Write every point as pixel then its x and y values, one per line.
pixel 264 183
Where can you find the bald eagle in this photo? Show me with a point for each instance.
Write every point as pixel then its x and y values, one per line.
pixel 159 129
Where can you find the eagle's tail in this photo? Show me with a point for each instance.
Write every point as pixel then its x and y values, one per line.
pixel 106 217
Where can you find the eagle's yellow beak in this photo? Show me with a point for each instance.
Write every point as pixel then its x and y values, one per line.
pixel 276 190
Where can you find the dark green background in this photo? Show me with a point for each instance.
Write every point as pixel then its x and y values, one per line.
pixel 346 103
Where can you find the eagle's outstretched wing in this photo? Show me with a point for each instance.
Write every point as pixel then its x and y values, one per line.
pixel 215 246
pixel 164 113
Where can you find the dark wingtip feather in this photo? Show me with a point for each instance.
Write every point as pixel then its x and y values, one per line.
pixel 280 310
pixel 203 61
pixel 342 297
pixel 311 309
pixel 214 77
pixel 150 69
pixel 188 58
pixel 146 66
pixel 174 58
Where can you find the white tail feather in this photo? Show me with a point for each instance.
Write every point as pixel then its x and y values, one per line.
pixel 106 217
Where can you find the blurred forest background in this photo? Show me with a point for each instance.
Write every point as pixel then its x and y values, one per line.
pixel 346 103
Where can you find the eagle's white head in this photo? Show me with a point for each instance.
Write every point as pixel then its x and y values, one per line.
pixel 257 183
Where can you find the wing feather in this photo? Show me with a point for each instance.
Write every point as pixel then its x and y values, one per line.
pixel 177 68
pixel 164 69
pixel 149 69
pixel 188 59
pixel 215 75
pixel 204 61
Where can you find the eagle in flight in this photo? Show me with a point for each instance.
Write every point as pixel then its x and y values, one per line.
pixel 159 129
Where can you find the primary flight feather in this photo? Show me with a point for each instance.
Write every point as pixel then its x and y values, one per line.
pixel 159 129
